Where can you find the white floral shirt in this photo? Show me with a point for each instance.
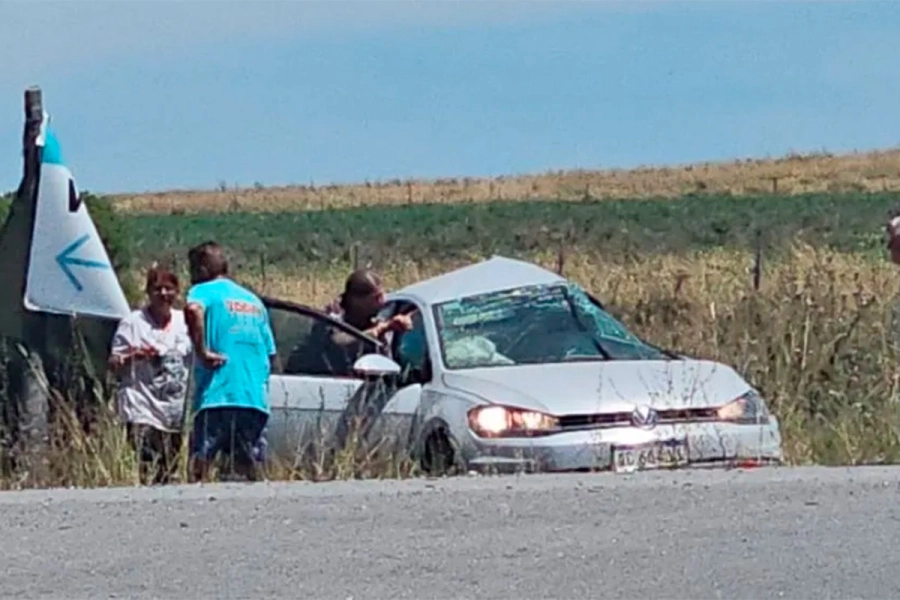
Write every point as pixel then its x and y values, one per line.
pixel 153 391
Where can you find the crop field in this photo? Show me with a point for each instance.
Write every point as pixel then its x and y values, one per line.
pixel 616 229
pixel 789 175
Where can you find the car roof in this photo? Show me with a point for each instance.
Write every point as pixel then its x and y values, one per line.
pixel 494 274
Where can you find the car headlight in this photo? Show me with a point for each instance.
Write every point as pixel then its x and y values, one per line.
pixel 494 420
pixel 747 409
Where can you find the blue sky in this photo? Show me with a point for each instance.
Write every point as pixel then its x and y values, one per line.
pixel 158 94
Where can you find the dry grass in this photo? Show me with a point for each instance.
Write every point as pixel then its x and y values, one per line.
pixel 102 456
pixel 817 338
pixel 793 174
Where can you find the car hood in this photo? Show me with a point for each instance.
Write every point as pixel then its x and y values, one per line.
pixel 602 386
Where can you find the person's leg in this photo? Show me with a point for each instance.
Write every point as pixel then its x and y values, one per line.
pixel 249 448
pixel 138 439
pixel 206 440
pixel 170 449
pixel 258 449
pixel 154 444
pixel 133 434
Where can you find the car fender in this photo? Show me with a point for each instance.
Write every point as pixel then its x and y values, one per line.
pixel 447 410
pixel 405 401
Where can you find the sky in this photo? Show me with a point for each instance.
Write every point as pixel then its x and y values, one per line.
pixel 151 95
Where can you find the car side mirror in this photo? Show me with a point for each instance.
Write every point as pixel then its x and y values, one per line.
pixel 376 365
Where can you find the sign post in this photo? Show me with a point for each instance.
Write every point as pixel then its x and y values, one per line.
pixel 33 419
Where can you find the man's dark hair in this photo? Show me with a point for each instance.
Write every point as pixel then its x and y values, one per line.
pixel 360 283
pixel 210 257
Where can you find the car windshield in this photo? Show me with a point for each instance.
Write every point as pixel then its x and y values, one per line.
pixel 534 325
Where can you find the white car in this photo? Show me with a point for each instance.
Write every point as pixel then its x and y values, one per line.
pixel 511 367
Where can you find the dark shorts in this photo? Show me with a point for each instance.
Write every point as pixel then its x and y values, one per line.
pixel 237 432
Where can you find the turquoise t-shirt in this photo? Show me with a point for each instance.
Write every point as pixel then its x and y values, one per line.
pixel 236 324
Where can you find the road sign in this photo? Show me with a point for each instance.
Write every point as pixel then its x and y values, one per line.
pixel 66 261
pixel 69 271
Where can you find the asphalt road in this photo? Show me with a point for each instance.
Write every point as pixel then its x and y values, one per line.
pixel 778 533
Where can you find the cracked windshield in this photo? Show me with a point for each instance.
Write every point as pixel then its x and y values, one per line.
pixel 534 325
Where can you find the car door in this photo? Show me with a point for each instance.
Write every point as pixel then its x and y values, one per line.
pixel 310 387
pixel 410 350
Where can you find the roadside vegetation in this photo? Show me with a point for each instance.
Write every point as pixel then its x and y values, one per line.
pixel 792 289
pixel 817 338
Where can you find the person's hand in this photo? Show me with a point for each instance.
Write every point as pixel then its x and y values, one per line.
pixel 210 359
pixel 116 360
pixel 400 323
pixel 145 352
pixel 120 359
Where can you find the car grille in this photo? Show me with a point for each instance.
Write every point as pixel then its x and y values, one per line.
pixel 623 419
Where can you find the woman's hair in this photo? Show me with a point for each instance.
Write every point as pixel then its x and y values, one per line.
pixel 158 275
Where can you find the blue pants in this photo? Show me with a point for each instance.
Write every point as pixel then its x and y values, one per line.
pixel 238 432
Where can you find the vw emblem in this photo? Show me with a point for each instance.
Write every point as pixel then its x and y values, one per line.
pixel 644 417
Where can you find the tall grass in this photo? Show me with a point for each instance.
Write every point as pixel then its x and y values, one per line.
pixel 817 338
pixel 99 454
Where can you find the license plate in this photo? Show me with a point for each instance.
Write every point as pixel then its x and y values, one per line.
pixel 660 455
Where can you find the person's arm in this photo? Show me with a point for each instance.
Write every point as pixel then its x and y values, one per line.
pixel 377 331
pixel 124 347
pixel 120 348
pixel 269 337
pixel 194 319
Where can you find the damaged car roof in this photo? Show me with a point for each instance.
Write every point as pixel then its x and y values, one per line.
pixel 494 274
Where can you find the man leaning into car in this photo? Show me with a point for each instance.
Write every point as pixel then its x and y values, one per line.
pixel 329 350
pixel 359 304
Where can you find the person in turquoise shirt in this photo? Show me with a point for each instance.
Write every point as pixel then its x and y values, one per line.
pixel 234 350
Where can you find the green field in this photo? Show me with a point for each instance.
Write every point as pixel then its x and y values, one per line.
pixel 846 222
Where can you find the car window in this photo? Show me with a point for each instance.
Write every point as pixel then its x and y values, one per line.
pixel 410 347
pixel 387 310
pixel 310 345
pixel 534 325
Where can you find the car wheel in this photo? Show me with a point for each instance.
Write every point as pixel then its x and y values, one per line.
pixel 439 456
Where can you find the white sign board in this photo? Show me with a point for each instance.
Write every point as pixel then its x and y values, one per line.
pixel 69 270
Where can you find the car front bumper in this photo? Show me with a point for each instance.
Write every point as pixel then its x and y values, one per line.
pixel 706 445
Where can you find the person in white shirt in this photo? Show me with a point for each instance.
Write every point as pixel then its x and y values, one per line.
pixel 151 356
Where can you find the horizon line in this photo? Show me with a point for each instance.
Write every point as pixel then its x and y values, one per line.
pixel 789 155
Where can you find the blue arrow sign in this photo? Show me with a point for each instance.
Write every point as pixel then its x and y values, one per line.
pixel 66 261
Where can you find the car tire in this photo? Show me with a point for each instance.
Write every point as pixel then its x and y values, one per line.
pixel 440 455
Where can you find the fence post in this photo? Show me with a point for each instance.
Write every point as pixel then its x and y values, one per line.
pixel 34 400
pixel 757 260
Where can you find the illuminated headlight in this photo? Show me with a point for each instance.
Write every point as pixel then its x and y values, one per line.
pixel 500 421
pixel 747 409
